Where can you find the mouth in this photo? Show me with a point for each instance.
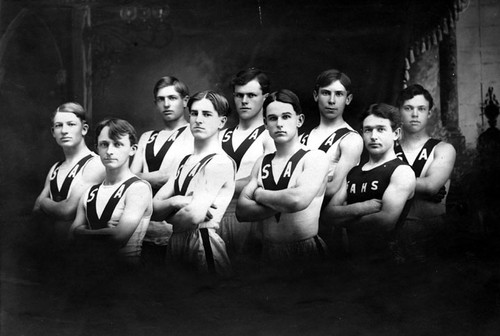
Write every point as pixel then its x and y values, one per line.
pixel 65 139
pixel 280 133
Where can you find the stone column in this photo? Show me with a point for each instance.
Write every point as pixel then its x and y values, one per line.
pixel 449 88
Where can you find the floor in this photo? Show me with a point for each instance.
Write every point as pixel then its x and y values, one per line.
pixel 456 292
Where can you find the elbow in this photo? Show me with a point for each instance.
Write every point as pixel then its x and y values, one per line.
pixel 298 204
pixel 242 215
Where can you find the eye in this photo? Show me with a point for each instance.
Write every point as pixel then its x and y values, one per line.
pixel 238 95
pixel 172 98
pixel 422 109
pixel 252 95
pixel 193 113
pixel 103 144
pixel 407 108
pixel 339 94
pixel 325 93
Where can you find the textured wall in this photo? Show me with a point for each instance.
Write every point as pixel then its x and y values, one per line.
pixel 478 44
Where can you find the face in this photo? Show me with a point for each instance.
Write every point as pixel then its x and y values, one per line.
pixel 204 120
pixel 332 100
pixel 248 99
pixel 415 114
pixel 170 103
pixel 114 153
pixel 282 122
pixel 378 135
pixel 68 129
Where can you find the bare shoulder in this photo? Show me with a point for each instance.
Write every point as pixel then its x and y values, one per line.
pixel 352 139
pixel 94 170
pixel 316 158
pixel 140 187
pixel 221 163
pixel 403 174
pixel 445 149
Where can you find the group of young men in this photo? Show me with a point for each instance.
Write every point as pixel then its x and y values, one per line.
pixel 199 194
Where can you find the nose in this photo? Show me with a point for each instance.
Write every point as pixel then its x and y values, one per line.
pixel 332 99
pixel 244 99
pixel 414 112
pixel 64 128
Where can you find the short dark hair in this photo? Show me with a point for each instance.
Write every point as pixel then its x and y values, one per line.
pixel 384 111
pixel 327 77
pixel 412 91
pixel 220 103
pixel 179 86
pixel 247 75
pixel 71 107
pixel 117 129
pixel 283 96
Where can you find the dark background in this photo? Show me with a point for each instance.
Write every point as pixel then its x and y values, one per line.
pixel 204 43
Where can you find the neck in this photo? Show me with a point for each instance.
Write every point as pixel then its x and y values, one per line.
pixel 171 125
pixel 414 138
pixel 251 123
pixel 73 153
pixel 287 149
pixel 116 175
pixel 376 160
pixel 331 123
pixel 206 146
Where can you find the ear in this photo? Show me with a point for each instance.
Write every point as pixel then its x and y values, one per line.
pixel 315 96
pixel 300 120
pixel 265 95
pixel 185 101
pixel 397 133
pixel 52 131
pixel 349 98
pixel 222 122
pixel 133 150
pixel 85 129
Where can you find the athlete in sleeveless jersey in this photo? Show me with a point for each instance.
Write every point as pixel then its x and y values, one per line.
pixel 159 153
pixel 433 161
pixel 287 187
pixel 342 144
pixel 195 201
pixel 375 194
pixel 115 214
pixel 68 179
pixel 245 143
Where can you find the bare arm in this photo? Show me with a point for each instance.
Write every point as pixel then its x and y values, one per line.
pixel 401 188
pixel 350 148
pixel 137 202
pixel 93 173
pixel 247 209
pixel 45 193
pixel 439 170
pixel 218 173
pixel 338 208
pixel 310 183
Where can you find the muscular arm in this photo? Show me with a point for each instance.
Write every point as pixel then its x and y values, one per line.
pixel 217 174
pixel 350 148
pixel 338 208
pixel 137 201
pixel 401 188
pixel 309 184
pixel 247 209
pixel 93 173
pixel 44 194
pixel 439 171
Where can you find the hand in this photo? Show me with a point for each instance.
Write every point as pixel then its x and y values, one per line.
pixel 438 197
pixel 209 215
pixel 373 205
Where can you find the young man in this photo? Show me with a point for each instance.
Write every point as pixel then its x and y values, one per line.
pixel 432 160
pixel 286 188
pixel 159 154
pixel 196 199
pixel 115 214
pixel 341 143
pixel 68 179
pixel 245 143
pixel 372 199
